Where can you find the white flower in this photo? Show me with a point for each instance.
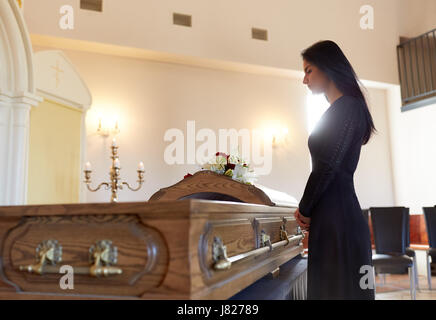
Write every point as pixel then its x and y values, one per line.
pixel 243 174
pixel 234 159
pixel 242 171
pixel 221 160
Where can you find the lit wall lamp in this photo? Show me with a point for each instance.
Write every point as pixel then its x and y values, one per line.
pixel 106 128
pixel 278 136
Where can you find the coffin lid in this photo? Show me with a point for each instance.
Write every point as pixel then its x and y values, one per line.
pixel 209 185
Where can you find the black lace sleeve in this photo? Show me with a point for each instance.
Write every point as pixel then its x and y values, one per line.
pixel 337 137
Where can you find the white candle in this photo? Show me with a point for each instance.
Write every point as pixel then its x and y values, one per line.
pixel 117 163
pixel 114 142
pixel 88 166
pixel 141 166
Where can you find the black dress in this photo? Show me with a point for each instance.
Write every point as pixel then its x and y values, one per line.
pixel 339 237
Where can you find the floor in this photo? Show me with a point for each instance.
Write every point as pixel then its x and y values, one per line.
pixel 397 287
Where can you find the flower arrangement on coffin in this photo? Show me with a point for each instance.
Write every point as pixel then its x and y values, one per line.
pixel 231 165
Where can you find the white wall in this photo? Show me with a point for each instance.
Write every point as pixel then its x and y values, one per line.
pixel 416 17
pixel 414 154
pixel 374 177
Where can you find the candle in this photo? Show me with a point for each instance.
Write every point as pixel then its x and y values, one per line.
pixel 114 142
pixel 88 166
pixel 117 163
pixel 141 166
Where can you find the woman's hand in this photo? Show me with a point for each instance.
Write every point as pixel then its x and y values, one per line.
pixel 303 222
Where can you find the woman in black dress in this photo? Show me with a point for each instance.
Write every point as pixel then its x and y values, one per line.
pixel 339 238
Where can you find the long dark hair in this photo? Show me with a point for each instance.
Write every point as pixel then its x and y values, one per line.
pixel 329 58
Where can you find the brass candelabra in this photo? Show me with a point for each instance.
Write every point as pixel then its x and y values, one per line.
pixel 115 183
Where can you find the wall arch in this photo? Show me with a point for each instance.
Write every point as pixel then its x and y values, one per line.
pixel 17 96
pixel 57 148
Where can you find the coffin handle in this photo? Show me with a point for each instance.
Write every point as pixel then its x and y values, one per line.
pixel 222 261
pixel 102 256
pixel 47 252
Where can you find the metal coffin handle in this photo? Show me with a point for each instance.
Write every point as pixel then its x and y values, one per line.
pixel 102 256
pixel 222 261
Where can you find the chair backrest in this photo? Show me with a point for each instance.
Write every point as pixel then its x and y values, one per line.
pixel 430 222
pixel 390 227
pixel 408 228
pixel 366 214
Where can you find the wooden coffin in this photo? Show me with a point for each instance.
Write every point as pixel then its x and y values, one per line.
pixel 208 185
pixel 159 249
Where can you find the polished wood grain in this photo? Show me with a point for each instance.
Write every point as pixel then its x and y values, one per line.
pixel 210 184
pixel 164 247
pixel 165 244
pixel 143 266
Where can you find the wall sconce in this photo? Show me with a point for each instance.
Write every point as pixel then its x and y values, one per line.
pixel 277 135
pixel 105 128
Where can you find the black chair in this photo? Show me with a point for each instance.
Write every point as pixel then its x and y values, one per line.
pixel 365 213
pixel 390 225
pixel 430 222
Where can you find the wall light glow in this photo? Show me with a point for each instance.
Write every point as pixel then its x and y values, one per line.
pixel 317 104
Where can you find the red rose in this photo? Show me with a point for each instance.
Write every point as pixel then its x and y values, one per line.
pixel 221 154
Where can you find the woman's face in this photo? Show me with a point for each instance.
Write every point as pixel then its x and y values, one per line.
pixel 315 79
